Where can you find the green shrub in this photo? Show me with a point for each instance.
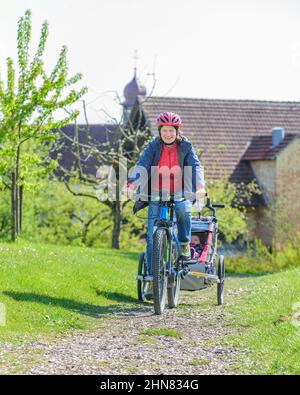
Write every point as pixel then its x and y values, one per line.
pixel 52 214
pixel 260 259
pixel 232 219
pixel 134 229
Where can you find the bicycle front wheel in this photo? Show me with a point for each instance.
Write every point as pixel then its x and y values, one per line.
pixel 159 268
pixel 174 281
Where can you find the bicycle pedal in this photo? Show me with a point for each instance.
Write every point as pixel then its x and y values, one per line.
pixel 148 296
pixel 184 271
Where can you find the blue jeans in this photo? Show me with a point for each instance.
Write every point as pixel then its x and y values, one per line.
pixel 183 220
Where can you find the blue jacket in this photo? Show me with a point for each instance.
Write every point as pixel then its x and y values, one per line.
pixel 151 155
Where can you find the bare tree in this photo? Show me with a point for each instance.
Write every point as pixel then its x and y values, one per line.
pixel 123 145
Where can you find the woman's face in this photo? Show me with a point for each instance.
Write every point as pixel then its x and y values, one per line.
pixel 168 134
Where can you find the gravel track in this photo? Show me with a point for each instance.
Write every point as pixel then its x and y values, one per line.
pixel 120 346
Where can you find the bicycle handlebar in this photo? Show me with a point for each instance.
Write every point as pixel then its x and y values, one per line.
pixel 161 196
pixel 158 196
pixel 163 193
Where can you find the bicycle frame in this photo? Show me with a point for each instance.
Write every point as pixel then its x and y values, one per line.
pixel 169 266
pixel 166 221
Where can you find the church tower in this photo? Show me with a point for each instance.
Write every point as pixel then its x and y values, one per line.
pixel 131 91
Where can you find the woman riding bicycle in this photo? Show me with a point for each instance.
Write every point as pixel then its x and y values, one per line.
pixel 170 163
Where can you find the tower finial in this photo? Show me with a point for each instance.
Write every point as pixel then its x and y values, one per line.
pixel 133 88
pixel 135 60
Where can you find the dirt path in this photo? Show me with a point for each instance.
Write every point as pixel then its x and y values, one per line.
pixel 121 346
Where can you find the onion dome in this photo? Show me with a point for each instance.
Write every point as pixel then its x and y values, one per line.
pixel 132 90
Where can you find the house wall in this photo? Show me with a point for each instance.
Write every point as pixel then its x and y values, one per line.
pixel 280 181
pixel 288 184
pixel 251 222
pixel 259 225
pixel 265 172
pixel 259 221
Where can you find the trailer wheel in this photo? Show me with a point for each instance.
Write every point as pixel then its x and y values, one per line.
pixel 220 285
pixel 141 272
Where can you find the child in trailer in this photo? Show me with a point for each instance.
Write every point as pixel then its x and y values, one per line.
pixel 196 247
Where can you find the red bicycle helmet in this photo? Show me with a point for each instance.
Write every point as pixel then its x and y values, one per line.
pixel 168 119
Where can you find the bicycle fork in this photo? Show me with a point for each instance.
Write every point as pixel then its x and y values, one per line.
pixel 170 272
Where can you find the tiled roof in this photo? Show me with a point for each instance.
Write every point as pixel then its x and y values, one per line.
pixel 99 133
pixel 95 135
pixel 261 147
pixel 223 129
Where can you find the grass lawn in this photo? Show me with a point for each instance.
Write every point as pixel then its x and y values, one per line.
pixel 269 322
pixel 49 289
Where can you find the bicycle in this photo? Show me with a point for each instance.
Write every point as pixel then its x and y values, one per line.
pixel 167 265
pixel 171 273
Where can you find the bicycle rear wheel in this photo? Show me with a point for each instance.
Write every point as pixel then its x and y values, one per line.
pixel 174 281
pixel 159 267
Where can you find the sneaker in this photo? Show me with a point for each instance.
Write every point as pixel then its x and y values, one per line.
pixel 186 251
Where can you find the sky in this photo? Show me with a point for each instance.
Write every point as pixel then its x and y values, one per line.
pixel 222 49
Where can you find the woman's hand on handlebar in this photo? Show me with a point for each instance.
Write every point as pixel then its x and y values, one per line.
pixel 200 193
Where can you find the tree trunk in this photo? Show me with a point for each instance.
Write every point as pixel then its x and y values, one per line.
pixel 117 217
pixel 17 214
pixel 13 207
pixel 20 207
pixel 17 204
